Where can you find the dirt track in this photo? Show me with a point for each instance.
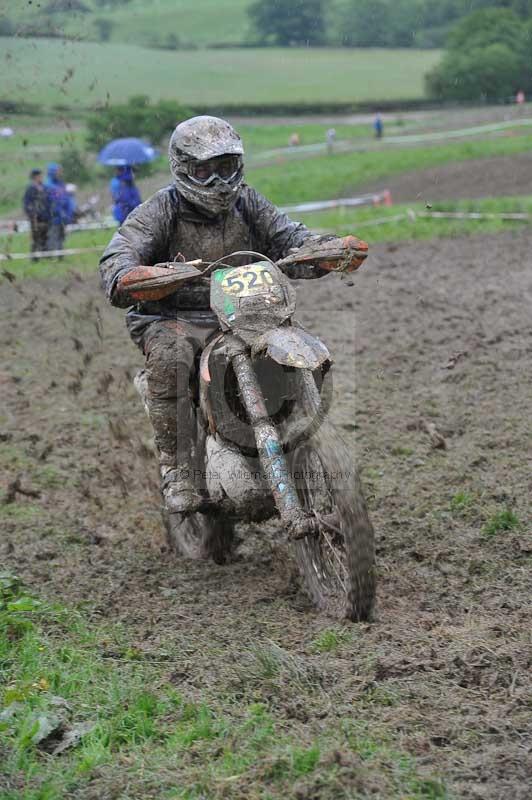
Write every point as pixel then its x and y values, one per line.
pixel 439 332
pixel 485 177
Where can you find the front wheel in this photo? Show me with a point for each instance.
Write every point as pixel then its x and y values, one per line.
pixel 337 564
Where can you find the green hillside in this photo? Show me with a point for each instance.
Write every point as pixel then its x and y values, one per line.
pixel 82 74
pixel 193 22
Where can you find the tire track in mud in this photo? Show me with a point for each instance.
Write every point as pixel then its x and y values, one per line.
pixel 433 331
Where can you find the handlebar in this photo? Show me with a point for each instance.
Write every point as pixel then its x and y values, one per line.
pixel 331 254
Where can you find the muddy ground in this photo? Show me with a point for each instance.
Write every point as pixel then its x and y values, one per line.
pixel 434 331
pixel 484 177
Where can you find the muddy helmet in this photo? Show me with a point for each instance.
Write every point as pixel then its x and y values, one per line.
pixel 206 162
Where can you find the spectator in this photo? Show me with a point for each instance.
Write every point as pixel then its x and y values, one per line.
pixel 73 213
pixel 520 97
pixel 294 139
pixel 37 208
pixel 60 206
pixel 378 126
pixel 124 192
pixel 330 138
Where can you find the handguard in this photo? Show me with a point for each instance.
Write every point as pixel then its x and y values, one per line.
pixel 154 283
pixel 333 255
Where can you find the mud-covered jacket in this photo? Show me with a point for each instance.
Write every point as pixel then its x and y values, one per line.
pixel 166 225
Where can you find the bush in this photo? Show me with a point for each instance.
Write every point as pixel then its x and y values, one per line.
pixel 487 27
pixel 112 3
pixel 138 117
pixel 18 107
pixel 290 22
pixel 487 59
pixel 7 28
pixel 167 41
pixel 104 28
pixel 170 42
pixel 489 73
pixel 74 163
pixel 62 6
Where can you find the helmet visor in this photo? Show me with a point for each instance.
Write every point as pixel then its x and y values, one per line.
pixel 204 173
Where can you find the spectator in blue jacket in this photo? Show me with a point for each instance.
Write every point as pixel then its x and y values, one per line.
pixel 124 192
pixel 60 206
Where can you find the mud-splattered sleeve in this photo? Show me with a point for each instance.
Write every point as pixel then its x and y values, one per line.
pixel 277 235
pixel 141 240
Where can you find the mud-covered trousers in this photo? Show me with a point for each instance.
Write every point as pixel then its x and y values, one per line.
pixel 172 349
pixel 56 237
pixel 39 236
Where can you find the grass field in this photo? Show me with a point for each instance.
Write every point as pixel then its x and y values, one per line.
pixel 80 74
pixel 68 676
pixel 324 177
pixel 192 22
pixel 361 221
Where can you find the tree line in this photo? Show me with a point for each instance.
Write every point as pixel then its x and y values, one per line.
pixel 487 44
pixel 367 23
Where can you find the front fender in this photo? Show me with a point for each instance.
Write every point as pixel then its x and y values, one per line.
pixel 292 347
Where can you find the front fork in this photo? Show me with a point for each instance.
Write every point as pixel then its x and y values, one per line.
pixel 271 455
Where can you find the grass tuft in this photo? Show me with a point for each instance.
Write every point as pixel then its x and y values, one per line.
pixel 400 450
pixel 270 662
pixel 330 640
pixel 461 501
pixel 504 520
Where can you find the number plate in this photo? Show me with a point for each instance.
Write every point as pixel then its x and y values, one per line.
pixel 246 281
pixel 243 296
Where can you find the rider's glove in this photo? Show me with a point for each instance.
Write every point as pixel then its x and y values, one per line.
pixel 351 254
pixel 154 283
pixel 329 253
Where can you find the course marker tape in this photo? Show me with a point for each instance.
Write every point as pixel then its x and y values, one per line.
pixel 50 253
pixel 410 215
pixel 23 226
pixel 375 199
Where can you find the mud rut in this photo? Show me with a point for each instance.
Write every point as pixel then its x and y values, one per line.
pixel 434 331
pixel 482 177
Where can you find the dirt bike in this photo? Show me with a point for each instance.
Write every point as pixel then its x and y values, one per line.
pixel 263 446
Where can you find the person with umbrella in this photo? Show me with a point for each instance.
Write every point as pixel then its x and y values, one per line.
pixel 124 192
pixel 123 154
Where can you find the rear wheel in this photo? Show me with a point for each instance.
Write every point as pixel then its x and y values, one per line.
pixel 200 536
pixel 338 563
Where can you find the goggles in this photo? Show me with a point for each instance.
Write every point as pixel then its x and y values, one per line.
pixel 226 168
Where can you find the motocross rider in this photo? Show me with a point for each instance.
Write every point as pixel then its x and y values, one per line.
pixel 206 213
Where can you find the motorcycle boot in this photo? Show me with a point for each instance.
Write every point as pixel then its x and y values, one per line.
pixel 177 485
pixel 169 360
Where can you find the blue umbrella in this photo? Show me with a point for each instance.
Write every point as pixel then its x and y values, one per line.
pixel 121 152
